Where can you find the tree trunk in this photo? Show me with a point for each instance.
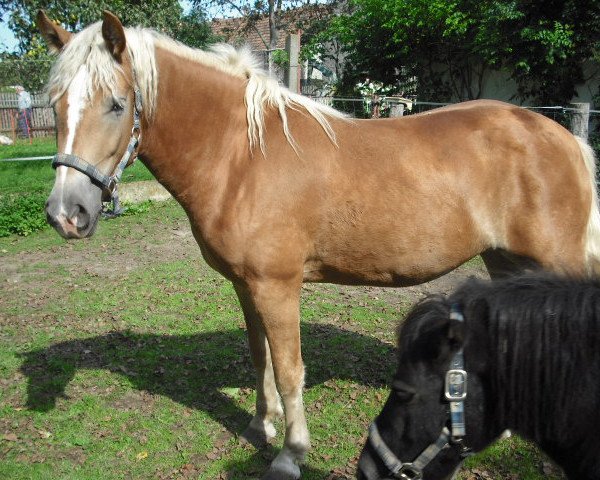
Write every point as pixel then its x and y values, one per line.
pixel 272 34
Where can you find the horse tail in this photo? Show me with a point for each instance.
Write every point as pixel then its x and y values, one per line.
pixel 592 242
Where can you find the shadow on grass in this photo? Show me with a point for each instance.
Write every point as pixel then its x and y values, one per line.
pixel 193 369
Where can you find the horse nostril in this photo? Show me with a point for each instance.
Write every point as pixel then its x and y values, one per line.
pixel 82 217
pixel 52 219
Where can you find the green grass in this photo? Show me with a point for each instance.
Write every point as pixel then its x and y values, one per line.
pixel 122 358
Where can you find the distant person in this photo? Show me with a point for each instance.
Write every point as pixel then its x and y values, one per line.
pixel 376 105
pixel 24 119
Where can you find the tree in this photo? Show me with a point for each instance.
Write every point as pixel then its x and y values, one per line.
pixel 162 15
pixel 30 65
pixel 279 13
pixel 194 30
pixel 452 45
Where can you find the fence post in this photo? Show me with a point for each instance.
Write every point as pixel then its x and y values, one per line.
pixel 397 110
pixel 580 119
pixel 291 76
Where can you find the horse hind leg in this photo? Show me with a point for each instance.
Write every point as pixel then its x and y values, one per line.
pixel 268 406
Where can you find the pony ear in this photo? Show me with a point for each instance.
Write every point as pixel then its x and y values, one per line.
pixel 56 37
pixel 113 34
pixel 445 340
pixel 456 334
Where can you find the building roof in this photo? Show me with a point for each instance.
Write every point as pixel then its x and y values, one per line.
pixel 254 30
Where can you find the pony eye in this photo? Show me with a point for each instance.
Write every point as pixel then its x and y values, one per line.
pixel 403 390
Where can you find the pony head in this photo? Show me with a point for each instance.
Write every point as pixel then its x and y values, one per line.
pixel 91 88
pixel 416 414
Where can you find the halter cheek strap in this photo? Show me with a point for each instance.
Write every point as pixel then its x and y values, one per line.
pixel 455 393
pixel 107 182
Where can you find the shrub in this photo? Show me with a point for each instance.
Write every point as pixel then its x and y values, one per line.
pixel 22 214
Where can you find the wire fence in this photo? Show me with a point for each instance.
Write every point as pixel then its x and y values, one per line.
pixel 43 122
pixel 393 106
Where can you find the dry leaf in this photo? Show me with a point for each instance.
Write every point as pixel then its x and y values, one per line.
pixel 141 455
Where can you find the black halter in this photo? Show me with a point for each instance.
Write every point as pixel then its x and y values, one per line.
pixel 455 392
pixel 107 182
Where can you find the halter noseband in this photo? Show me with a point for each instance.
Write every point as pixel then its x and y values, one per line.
pixel 455 392
pixel 108 182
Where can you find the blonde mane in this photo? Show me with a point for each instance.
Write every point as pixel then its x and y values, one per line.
pixel 88 48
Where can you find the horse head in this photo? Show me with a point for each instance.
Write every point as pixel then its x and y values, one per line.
pixel 92 92
pixel 413 436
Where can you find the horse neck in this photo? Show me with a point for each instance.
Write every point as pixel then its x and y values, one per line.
pixel 198 132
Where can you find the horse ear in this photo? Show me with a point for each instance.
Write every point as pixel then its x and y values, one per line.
pixel 56 37
pixel 113 34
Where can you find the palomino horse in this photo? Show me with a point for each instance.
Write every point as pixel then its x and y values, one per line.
pixel 519 353
pixel 280 190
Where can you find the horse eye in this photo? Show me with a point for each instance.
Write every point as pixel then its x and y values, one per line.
pixel 117 108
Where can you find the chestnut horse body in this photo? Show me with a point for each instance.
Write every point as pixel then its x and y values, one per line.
pixel 280 190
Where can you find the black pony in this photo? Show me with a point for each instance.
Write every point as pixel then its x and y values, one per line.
pixel 531 352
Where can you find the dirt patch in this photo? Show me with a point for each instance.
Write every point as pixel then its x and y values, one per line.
pixel 136 245
pixel 136 192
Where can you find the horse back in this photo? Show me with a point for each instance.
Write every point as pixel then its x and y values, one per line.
pixel 410 199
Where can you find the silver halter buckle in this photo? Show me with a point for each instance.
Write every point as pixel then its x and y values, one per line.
pixel 409 472
pixel 455 389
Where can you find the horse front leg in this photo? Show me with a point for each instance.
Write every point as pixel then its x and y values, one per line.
pixel 277 305
pixel 268 406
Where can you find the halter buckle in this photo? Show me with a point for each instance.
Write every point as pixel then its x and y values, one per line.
pixel 456 385
pixel 409 472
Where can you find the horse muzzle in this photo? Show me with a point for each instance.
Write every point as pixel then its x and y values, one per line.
pixel 73 216
pixel 76 224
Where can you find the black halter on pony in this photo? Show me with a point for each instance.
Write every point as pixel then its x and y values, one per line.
pixel 455 392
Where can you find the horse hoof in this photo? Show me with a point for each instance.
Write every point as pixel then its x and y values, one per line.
pixel 277 474
pixel 284 467
pixel 256 437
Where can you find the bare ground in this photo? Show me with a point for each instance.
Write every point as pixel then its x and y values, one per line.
pixel 161 244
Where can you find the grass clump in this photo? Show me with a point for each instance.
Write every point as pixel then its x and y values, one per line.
pixel 22 214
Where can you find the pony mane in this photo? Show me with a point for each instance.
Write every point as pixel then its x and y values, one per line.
pixel 542 334
pixel 262 91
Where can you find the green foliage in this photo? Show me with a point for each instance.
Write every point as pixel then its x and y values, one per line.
pixel 22 214
pixel 451 46
pixel 29 71
pixel 163 15
pixel 194 29
pixel 280 58
pixel 132 209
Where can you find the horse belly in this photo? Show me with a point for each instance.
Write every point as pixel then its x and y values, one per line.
pixel 398 258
